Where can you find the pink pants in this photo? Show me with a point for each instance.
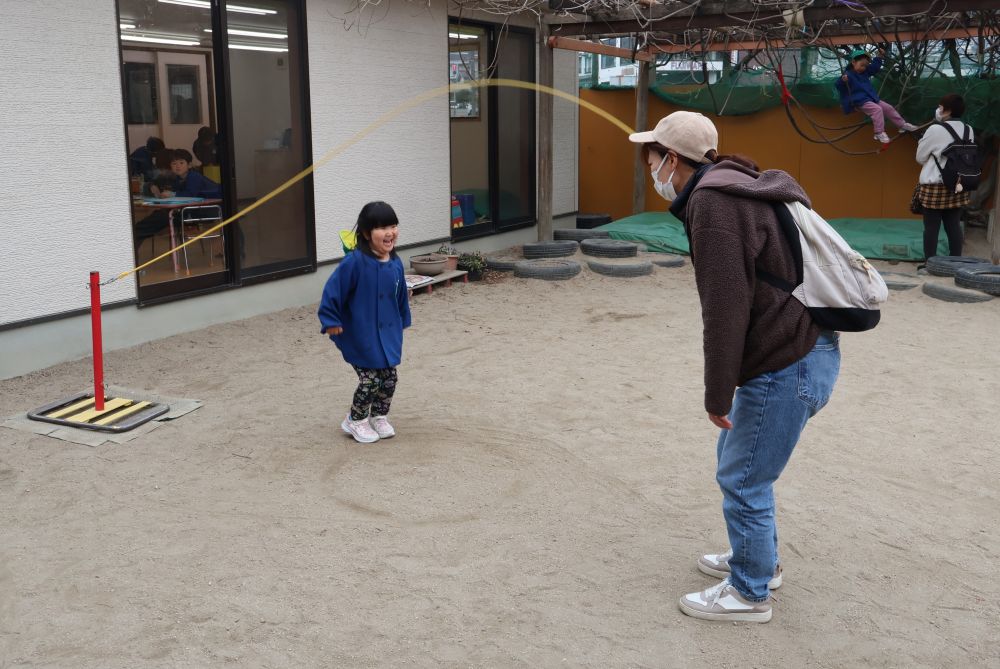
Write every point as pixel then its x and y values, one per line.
pixel 877 111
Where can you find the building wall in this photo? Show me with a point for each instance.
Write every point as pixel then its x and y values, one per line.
pixel 359 70
pixel 65 189
pixel 840 186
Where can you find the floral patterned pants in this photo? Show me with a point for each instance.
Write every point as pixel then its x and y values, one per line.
pixel 374 393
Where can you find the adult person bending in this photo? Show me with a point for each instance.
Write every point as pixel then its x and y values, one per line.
pixel 759 343
pixel 940 204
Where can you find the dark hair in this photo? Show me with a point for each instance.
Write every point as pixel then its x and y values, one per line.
pixel 954 103
pixel 182 154
pixel 155 144
pixel 205 134
pixel 713 155
pixel 738 158
pixel 373 215
pixel 163 158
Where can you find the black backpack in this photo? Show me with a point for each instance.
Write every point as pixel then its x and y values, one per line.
pixel 965 164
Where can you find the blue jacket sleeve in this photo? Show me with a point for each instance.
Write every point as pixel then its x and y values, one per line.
pixel 875 67
pixel 198 185
pixel 404 300
pixel 845 97
pixel 336 294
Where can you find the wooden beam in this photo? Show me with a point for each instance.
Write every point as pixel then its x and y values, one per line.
pixel 695 19
pixel 598 48
pixel 650 52
pixel 545 109
pixel 640 169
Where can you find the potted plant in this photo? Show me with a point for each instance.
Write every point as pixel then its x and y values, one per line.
pixel 451 253
pixel 474 263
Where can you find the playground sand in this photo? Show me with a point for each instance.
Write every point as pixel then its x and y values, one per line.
pixel 543 505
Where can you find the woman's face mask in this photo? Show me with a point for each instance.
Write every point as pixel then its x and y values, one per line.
pixel 664 188
pixel 941 115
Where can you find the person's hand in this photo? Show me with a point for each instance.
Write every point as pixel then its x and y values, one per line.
pixel 881 52
pixel 166 193
pixel 843 78
pixel 721 422
pixel 335 330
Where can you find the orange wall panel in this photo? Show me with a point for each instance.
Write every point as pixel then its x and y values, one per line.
pixel 839 185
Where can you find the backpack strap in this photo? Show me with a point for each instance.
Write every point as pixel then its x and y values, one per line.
pixel 790 232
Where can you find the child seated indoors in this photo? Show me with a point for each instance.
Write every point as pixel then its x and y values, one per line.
pixel 856 92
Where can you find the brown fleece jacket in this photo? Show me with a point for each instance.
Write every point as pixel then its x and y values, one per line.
pixel 750 327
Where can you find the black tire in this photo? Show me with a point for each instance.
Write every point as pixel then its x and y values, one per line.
pixel 900 281
pixel 609 248
pixel 555 249
pixel 579 235
pixel 949 265
pixel 588 221
pixel 665 259
pixel 948 293
pixel 501 264
pixel 985 279
pixel 551 270
pixel 623 270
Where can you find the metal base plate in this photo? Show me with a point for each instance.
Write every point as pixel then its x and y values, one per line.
pixel 120 414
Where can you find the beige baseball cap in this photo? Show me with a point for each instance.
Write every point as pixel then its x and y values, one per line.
pixel 690 134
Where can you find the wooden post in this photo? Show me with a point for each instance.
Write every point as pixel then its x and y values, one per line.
pixel 640 170
pixel 545 78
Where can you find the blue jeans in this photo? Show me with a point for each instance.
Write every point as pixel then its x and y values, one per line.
pixel 768 415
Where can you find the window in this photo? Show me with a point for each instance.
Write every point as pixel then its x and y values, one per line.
pixel 492 131
pixel 609 61
pixel 209 135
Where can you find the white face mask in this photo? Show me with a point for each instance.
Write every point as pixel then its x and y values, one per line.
pixel 940 114
pixel 664 188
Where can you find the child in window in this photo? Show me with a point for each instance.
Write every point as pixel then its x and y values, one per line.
pixel 364 310
pixel 856 92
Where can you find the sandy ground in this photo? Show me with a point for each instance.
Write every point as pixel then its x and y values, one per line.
pixel 543 505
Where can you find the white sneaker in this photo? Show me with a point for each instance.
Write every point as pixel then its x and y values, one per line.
pixel 723 602
pixel 908 127
pixel 882 137
pixel 718 566
pixel 382 426
pixel 360 430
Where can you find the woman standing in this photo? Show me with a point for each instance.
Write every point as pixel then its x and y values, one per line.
pixel 768 367
pixel 940 204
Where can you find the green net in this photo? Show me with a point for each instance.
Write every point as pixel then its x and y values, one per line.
pixel 914 78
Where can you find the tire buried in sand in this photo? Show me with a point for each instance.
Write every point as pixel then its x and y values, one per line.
pixel 579 235
pixel 900 281
pixel 957 294
pixel 950 265
pixel 551 270
pixel 609 248
pixel 501 264
pixel 621 270
pixel 559 248
pixel 985 279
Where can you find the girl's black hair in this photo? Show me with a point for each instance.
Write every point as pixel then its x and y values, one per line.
pixel 373 215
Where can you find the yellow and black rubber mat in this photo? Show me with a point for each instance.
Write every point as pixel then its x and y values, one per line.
pixel 120 414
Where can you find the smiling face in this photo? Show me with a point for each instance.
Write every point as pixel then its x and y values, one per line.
pixel 860 64
pixel 383 240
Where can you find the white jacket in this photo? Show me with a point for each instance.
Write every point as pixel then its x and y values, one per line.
pixel 935 140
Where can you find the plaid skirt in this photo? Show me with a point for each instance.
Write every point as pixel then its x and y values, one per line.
pixel 937 196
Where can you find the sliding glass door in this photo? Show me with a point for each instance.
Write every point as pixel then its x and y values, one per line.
pixel 216 111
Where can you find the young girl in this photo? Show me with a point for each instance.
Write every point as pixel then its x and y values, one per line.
pixel 857 92
pixel 364 310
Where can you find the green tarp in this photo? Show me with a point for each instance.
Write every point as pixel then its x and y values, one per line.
pixel 881 238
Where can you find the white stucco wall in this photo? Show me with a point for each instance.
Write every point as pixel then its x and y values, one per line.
pixel 359 70
pixel 64 184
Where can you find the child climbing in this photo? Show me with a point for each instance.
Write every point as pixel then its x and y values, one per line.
pixel 857 92
pixel 364 310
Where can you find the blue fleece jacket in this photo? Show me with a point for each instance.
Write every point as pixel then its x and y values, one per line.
pixel 196 184
pixel 369 300
pixel 858 88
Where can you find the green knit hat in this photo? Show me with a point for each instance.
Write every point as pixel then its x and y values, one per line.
pixel 859 53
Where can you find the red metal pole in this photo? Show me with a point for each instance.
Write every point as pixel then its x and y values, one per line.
pixel 95 329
